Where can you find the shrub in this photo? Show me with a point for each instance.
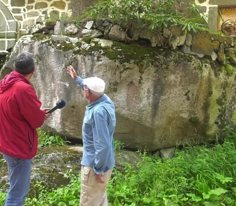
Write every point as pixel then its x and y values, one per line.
pixel 46 139
pixel 151 14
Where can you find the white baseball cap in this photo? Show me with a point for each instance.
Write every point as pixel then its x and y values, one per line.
pixel 95 84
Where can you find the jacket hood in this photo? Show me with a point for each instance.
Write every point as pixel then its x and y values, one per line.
pixel 11 79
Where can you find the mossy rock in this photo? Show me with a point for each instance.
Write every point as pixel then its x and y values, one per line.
pixel 49 167
pixel 39 37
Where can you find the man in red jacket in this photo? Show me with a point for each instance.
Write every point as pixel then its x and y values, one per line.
pixel 20 115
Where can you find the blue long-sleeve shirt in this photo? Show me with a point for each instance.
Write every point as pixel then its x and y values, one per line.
pixel 98 130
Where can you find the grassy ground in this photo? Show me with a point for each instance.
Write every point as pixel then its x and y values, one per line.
pixel 196 176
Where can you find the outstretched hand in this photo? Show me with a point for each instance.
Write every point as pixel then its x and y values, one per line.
pixel 72 72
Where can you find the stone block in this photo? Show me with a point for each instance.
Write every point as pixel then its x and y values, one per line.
pixel 12 25
pixel 167 153
pixel 59 5
pixel 16 11
pixel 19 18
pixel 212 18
pixel 11 35
pixel 29 7
pixel 2 35
pixel 2 44
pixel 23 32
pixel 29 22
pixel 59 38
pixel 3 25
pixel 5 1
pixel 10 44
pixel 202 43
pixel 6 12
pixel 18 3
pixel 41 5
pixel 33 14
pixel 222 2
pixel 89 24
pixel 201 1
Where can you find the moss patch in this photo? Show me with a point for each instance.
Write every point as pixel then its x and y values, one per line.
pixel 78 44
pixel 234 117
pixel 40 37
pixel 194 121
pixel 87 39
pixel 141 55
pixel 64 46
pixel 214 109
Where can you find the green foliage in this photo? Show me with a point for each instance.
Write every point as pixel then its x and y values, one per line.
pixel 229 134
pixel 2 198
pixel 118 145
pixel 51 21
pixel 54 18
pixel 63 196
pixel 46 139
pixel 196 176
pixel 229 69
pixel 150 14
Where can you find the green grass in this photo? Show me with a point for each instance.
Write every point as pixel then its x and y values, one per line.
pixel 196 176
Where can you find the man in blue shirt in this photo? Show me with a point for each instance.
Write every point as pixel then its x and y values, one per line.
pixel 98 130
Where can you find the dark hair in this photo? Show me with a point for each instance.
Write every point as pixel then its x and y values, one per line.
pixel 24 63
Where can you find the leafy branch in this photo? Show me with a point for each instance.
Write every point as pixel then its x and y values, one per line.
pixel 151 14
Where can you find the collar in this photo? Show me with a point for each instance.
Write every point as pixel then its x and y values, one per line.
pixel 101 99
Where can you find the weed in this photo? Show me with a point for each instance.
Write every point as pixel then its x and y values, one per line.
pixel 118 145
pixel 46 139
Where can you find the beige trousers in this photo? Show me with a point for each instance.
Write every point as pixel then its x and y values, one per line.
pixel 93 193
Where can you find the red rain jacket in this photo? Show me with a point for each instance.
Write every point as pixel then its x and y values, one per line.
pixel 20 115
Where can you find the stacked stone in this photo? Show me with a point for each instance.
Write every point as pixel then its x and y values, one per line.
pixel 19 16
pixel 29 12
pixel 8 28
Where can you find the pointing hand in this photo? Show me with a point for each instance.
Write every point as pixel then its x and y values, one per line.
pixel 72 72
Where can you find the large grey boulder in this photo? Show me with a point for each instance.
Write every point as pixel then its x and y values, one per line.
pixel 163 98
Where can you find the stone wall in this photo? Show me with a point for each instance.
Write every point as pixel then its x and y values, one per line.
pixel 16 16
pixel 8 28
pixel 210 7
